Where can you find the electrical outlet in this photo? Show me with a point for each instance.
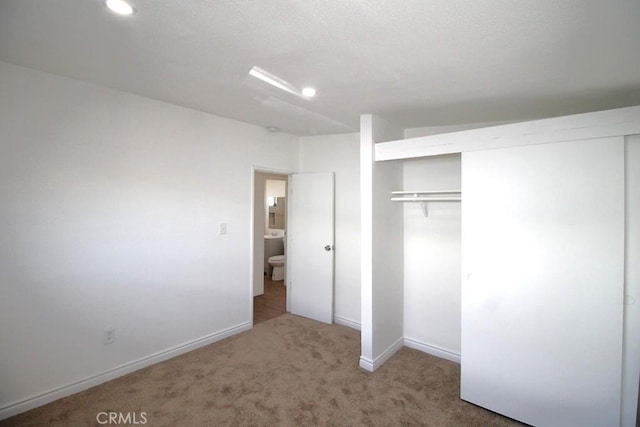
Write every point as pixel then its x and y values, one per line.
pixel 109 336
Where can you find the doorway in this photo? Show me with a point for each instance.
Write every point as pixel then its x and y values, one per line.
pixel 309 237
pixel 269 233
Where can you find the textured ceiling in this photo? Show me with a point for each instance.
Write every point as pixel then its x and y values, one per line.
pixel 416 63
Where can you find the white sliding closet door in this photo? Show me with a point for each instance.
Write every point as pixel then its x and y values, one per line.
pixel 542 285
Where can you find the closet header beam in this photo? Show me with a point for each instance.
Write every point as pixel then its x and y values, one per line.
pixel 620 121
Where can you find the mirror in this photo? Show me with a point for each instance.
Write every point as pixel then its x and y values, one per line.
pixel 277 213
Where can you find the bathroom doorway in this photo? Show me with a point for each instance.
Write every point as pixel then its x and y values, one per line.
pixel 269 234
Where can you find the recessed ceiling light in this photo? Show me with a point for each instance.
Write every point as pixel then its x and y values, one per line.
pixel 273 128
pixel 309 92
pixel 120 7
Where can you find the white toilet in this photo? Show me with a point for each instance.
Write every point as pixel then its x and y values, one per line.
pixel 277 264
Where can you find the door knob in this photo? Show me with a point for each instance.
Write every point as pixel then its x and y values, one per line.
pixel 327 248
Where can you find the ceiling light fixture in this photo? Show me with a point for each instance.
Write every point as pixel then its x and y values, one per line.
pixel 273 80
pixel 309 92
pixel 282 84
pixel 120 7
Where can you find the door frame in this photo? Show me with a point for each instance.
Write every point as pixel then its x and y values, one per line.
pixel 254 170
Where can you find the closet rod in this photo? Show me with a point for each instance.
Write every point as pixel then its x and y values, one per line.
pixel 427 196
pixel 426 199
pixel 426 192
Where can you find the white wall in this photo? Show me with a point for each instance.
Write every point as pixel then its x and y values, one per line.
pixel 109 214
pixel 432 259
pixel 437 130
pixel 631 351
pixel 340 154
pixel 381 247
pixel 388 261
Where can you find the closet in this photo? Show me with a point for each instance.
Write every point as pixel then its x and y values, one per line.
pixel 548 247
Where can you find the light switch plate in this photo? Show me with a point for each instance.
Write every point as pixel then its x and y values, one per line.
pixel 222 228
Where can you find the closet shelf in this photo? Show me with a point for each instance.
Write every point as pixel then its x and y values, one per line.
pixel 426 196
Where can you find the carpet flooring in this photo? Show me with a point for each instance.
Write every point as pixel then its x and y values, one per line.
pixel 287 371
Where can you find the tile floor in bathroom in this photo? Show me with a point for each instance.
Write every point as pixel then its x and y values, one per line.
pixel 270 304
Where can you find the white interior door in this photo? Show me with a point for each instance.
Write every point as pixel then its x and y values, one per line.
pixel 542 285
pixel 310 245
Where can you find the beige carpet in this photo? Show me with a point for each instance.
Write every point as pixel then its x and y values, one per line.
pixel 286 371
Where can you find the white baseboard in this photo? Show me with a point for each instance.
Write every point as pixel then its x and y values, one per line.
pixel 18 407
pixel 366 364
pixel 432 350
pixel 372 365
pixel 346 322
